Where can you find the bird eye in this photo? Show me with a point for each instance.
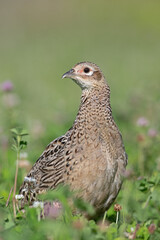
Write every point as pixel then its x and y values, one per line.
pixel 86 70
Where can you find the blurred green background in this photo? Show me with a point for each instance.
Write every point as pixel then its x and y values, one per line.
pixel 40 40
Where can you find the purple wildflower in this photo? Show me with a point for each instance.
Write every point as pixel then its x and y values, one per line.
pixel 52 209
pixel 142 122
pixel 6 86
pixel 152 132
pixel 152 228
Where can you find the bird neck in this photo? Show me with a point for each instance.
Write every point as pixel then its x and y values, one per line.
pixel 96 97
pixel 95 105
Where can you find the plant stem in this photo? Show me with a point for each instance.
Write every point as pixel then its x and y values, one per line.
pixel 147 201
pixel 15 185
pixel 9 197
pixel 117 217
pixel 104 217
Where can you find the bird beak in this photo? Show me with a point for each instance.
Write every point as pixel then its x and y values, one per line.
pixel 68 74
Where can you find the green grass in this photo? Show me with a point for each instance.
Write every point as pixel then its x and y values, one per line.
pixel 42 40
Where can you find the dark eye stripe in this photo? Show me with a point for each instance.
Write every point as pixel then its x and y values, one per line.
pixel 86 70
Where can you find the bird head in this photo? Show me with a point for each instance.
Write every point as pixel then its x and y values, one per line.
pixel 86 74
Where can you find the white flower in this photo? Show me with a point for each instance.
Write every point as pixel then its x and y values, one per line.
pixel 23 155
pixel 37 129
pixel 19 197
pixel 37 204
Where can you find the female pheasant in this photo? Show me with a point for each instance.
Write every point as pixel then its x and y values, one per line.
pixel 90 157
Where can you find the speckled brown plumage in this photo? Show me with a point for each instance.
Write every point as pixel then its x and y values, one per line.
pixel 90 157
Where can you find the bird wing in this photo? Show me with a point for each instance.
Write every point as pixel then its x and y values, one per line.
pixel 47 171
